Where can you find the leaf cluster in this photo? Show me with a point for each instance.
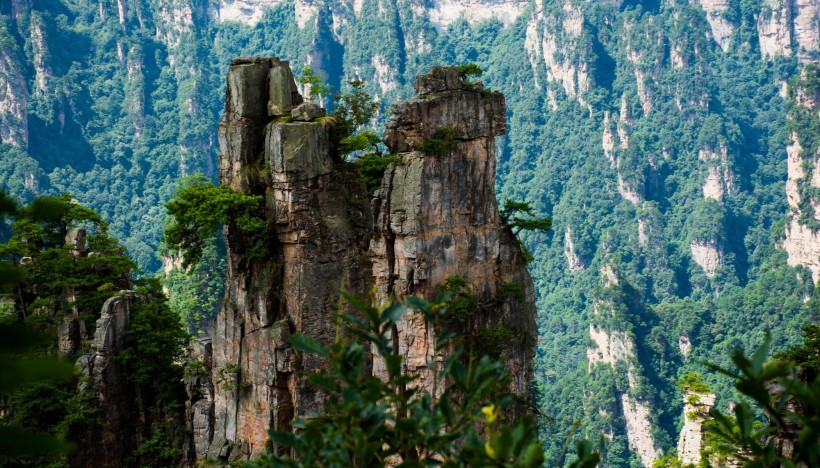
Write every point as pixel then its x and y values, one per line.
pixel 318 89
pixel 372 168
pixel 513 216
pixel 442 142
pixel 352 111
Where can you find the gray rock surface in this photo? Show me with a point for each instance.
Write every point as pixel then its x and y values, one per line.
pixel 307 111
pixel 117 401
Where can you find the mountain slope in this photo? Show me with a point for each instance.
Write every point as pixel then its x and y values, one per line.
pixel 657 134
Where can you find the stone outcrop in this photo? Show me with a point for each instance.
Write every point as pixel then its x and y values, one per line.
pixel 436 217
pixel 319 224
pixel 547 36
pixel 722 28
pixel 574 262
pixel 696 408
pixel 708 254
pixel 719 177
pixel 441 13
pixel 13 96
pixel 118 403
pixel 615 348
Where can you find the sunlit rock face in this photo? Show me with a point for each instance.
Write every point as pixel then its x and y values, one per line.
pixel 789 27
pixel 802 241
pixel 695 412
pixel 441 13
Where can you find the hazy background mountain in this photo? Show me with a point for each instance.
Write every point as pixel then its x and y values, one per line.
pixel 671 141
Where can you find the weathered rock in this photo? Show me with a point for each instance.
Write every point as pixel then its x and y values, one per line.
pixel 13 98
pixel 695 412
pixel 429 226
pixel 284 95
pixel 320 218
pixel 199 409
pixel 307 111
pixel 297 151
pixel 786 27
pixel 437 217
pixel 708 254
pixel 802 241
pixel 722 28
pixel 439 79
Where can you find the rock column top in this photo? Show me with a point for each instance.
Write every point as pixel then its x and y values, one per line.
pixel 445 100
pixel 438 79
pixel 259 88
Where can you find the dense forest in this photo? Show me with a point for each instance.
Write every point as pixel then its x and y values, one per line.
pixel 671 142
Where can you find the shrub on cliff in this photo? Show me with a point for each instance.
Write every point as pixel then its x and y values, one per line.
pixel 441 142
pixel 199 208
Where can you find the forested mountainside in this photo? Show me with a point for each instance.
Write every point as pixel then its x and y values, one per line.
pixel 673 142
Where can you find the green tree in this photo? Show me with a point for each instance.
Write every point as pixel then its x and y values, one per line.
pixel 512 216
pixel 199 208
pixel 352 111
pixel 318 89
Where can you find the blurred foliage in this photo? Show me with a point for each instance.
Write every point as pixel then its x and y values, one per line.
pixel 372 421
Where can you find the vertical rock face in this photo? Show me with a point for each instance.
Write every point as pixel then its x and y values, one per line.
pixel 13 96
pixel 695 412
pixel 802 242
pixel 615 348
pixel 788 27
pixel 708 254
pixel 722 28
pixel 319 222
pixel 436 217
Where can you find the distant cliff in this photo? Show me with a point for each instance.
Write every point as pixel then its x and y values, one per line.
pixel 434 217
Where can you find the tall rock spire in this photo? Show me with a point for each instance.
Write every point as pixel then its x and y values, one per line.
pixel 436 217
pixel 319 222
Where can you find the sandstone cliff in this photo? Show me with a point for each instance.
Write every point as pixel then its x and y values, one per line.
pixel 802 241
pixel 614 347
pixel 122 412
pixel 695 413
